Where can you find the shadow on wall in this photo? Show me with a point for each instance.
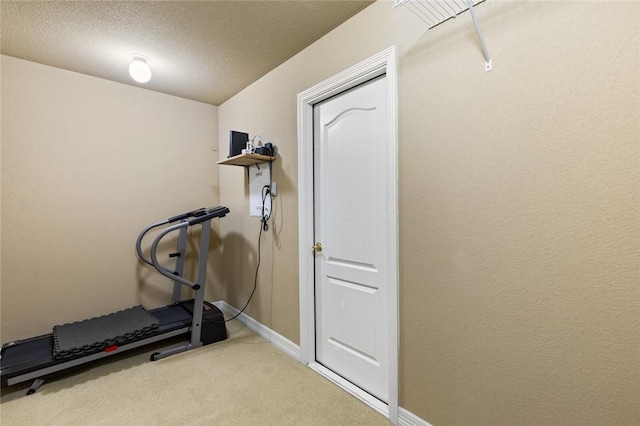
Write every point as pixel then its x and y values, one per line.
pixel 239 260
pixel 214 287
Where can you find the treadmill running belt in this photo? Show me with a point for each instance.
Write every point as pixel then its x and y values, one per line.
pixel 95 334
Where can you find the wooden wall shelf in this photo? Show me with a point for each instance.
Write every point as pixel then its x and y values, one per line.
pixel 246 160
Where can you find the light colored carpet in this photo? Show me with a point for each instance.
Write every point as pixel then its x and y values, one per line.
pixel 241 381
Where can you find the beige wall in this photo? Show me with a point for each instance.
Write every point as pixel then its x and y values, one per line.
pixel 519 209
pixel 86 164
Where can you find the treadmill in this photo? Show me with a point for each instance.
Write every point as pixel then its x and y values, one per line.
pixel 75 344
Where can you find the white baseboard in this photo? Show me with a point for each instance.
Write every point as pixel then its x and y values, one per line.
pixel 277 340
pixel 405 418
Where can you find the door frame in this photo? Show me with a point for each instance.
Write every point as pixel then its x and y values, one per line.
pixel 377 65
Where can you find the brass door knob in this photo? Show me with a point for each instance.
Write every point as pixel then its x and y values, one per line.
pixel 317 247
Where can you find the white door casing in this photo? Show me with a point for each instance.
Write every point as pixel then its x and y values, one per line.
pixel 350 269
pixel 383 63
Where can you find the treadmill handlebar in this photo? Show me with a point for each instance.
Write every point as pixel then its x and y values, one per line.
pixel 141 255
pixel 208 214
pixel 201 215
pixel 156 264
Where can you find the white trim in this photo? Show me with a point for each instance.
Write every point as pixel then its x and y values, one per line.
pixel 379 64
pixel 277 340
pixel 407 418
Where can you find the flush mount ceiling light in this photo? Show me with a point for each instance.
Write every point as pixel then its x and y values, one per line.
pixel 139 69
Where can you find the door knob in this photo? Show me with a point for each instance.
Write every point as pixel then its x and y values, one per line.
pixel 317 247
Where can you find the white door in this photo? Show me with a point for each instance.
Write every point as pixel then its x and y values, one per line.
pixel 351 177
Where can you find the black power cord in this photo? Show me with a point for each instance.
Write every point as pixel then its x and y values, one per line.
pixel 264 227
pixel 265 217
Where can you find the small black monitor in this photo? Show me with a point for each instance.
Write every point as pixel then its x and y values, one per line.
pixel 237 142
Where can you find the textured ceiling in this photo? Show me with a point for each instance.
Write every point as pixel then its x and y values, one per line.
pixel 201 50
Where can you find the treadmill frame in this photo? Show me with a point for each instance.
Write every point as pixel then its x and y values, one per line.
pixel 194 330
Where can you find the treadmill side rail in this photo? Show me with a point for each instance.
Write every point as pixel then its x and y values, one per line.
pixel 43 372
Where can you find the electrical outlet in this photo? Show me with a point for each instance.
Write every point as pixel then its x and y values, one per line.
pixel 273 189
